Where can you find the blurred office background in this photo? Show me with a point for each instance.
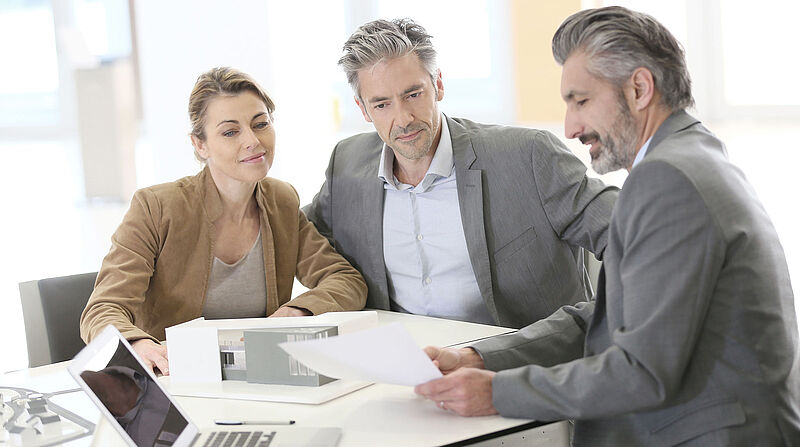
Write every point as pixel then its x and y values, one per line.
pixel 93 97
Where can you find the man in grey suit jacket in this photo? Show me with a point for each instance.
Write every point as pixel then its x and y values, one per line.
pixel 447 217
pixel 692 338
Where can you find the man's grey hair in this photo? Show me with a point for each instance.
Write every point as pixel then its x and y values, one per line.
pixel 617 41
pixel 381 40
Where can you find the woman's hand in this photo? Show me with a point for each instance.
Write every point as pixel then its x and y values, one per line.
pixel 290 311
pixel 153 354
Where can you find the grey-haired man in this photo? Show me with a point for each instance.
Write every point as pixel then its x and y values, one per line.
pixel 692 339
pixel 447 217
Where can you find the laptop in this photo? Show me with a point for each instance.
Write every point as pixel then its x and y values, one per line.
pixel 137 406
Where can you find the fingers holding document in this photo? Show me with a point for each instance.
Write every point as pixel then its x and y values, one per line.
pixel 449 359
pixel 466 391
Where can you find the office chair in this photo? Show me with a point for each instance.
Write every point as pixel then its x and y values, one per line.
pixel 51 309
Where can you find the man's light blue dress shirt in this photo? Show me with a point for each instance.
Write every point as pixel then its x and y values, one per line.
pixel 642 152
pixel 424 249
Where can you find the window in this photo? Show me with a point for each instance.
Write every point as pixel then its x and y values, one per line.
pixel 29 92
pixel 760 71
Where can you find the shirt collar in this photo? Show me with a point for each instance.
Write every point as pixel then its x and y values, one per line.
pixel 640 155
pixel 441 164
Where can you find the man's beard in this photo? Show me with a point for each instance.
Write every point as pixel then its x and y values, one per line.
pixel 416 150
pixel 617 149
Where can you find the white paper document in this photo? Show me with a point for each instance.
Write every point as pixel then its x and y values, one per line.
pixel 385 354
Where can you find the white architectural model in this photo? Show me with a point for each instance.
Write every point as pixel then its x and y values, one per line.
pixel 206 357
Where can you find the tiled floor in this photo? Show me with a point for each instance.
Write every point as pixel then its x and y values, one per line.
pixel 47 228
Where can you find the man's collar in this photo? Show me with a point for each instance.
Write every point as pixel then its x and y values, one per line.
pixel 386 164
pixel 642 151
pixel 442 162
pixel 677 121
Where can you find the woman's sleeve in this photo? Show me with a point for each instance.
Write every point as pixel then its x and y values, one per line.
pixel 124 276
pixel 334 284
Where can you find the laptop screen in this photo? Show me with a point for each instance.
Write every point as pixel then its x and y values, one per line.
pixel 131 395
pixel 137 406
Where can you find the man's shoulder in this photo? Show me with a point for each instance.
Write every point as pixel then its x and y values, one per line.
pixel 694 152
pixel 499 137
pixel 357 156
pixel 692 159
pixel 496 143
pixel 358 144
pixel 494 130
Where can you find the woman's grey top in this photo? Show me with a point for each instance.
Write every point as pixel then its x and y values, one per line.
pixel 238 290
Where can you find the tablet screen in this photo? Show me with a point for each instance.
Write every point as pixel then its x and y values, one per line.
pixel 130 394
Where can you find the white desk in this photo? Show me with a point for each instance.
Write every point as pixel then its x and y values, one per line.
pixel 379 414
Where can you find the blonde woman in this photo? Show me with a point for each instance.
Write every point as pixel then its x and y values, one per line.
pixel 225 243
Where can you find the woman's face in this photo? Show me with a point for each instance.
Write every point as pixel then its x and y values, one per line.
pixel 240 141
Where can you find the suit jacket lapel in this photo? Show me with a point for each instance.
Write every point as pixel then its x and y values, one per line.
pixel 469 184
pixel 268 249
pixel 372 222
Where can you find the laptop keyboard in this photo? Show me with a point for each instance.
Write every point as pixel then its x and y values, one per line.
pixel 239 439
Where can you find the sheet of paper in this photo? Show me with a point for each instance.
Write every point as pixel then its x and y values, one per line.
pixel 385 354
pixel 194 355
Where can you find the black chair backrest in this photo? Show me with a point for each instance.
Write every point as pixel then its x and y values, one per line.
pixel 63 301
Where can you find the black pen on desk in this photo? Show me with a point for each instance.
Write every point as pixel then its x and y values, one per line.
pixel 230 422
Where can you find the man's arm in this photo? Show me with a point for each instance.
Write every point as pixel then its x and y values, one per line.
pixel 466 388
pixel 556 339
pixel 672 257
pixel 662 287
pixel 578 207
